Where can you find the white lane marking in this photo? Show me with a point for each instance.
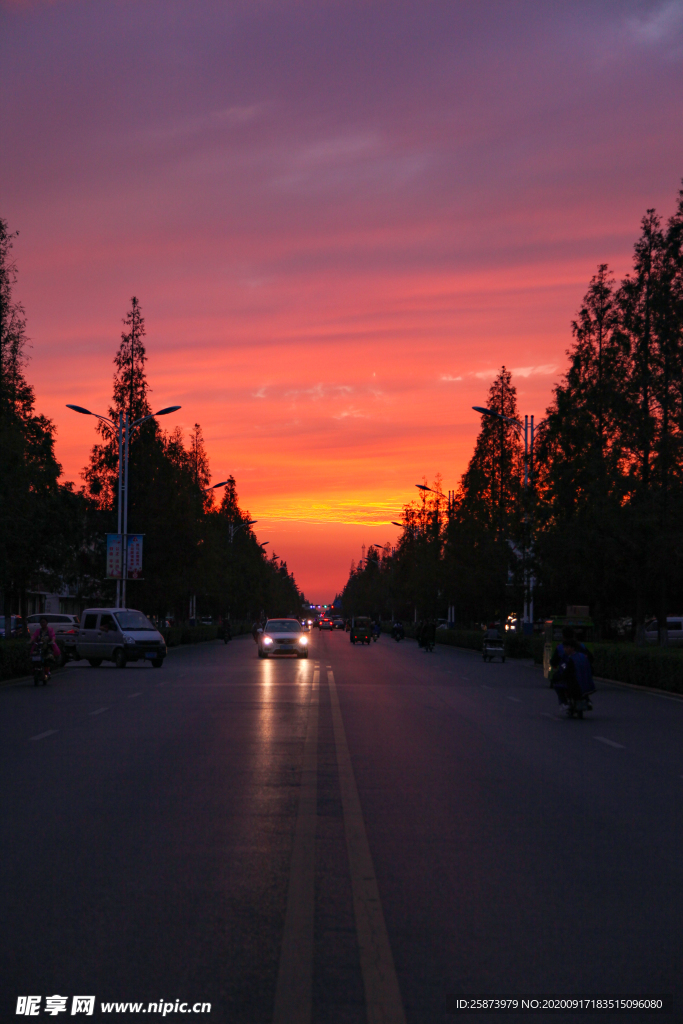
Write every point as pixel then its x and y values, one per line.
pixel 546 714
pixel 610 743
pixel 42 735
pixel 485 687
pixel 99 711
pixel 135 694
pixel 513 698
pixel 294 990
pixel 382 995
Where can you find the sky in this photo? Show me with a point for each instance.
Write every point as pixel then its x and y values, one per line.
pixel 340 219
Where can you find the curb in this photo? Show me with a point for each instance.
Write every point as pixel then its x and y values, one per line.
pixel 672 695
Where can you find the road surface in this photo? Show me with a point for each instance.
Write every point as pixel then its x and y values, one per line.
pixel 364 835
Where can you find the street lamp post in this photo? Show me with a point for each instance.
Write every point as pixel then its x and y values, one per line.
pixel 235 529
pixel 528 431
pixel 124 429
pixel 193 598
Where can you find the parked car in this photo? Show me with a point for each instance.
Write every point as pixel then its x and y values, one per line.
pixel 119 635
pixel 674 630
pixel 16 626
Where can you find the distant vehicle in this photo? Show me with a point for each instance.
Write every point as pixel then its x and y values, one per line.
pixel 337 622
pixel 325 624
pixel 206 620
pixel 674 630
pixel 119 635
pixel 361 630
pixel 282 636
pixel 16 626
pixel 493 645
pixel 305 626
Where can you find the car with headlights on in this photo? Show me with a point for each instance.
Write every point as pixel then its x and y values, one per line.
pixel 282 636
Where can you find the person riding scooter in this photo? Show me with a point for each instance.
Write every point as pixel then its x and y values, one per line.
pixel 573 678
pixel 44 645
pixel 397 631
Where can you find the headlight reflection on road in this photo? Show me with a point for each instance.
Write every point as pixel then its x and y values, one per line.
pixel 267 673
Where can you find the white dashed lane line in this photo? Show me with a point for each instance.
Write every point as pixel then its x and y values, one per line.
pixel 98 712
pixel 609 743
pixel 42 735
pixel 518 701
pixel 135 694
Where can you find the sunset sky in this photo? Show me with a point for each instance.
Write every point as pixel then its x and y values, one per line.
pixel 339 218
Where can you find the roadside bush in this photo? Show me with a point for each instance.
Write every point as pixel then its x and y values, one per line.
pixel 177 635
pixel 15 659
pixel 517 645
pixel 472 639
pixel 644 666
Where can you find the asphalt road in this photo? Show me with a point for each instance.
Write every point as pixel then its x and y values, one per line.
pixel 353 837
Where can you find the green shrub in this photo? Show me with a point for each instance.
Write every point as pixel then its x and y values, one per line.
pixel 644 666
pixel 15 659
pixel 176 635
pixel 472 639
pixel 519 645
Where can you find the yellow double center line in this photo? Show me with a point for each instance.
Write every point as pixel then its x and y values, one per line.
pixel 293 1002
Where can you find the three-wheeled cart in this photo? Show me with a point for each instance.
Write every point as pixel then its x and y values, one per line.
pixel 493 647
pixel 360 630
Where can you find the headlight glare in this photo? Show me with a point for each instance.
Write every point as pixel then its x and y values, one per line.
pixel 303 639
pixel 267 640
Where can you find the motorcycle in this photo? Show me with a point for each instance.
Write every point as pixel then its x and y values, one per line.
pixel 398 632
pixel 375 634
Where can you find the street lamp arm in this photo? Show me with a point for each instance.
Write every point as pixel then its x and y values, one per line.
pixel 499 416
pixel 87 412
pixel 423 487
pixel 152 415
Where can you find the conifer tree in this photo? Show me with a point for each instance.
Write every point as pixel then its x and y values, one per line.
pixel 29 471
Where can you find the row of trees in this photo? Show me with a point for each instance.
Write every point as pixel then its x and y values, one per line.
pixel 53 535
pixel 600 521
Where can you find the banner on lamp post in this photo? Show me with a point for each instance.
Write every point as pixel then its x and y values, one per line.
pixel 114 556
pixel 134 550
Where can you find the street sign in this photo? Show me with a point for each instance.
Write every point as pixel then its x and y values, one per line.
pixel 114 556
pixel 134 555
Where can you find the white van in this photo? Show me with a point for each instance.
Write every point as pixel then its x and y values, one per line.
pixel 119 635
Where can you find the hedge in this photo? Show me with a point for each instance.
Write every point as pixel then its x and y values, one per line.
pixel 15 659
pixel 644 666
pixel 177 635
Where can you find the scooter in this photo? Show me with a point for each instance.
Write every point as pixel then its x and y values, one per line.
pixel 398 633
pixel 41 670
pixel 576 706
